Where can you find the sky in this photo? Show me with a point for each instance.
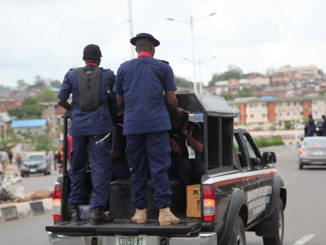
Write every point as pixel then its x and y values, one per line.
pixel 47 38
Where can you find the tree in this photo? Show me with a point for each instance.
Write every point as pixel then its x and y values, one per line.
pixel 21 84
pixel 55 84
pixel 322 92
pixel 270 71
pixel 45 96
pixel 30 109
pixel 29 101
pixel 227 96
pixel 39 83
pixel 233 72
pixel 181 82
pixel 245 92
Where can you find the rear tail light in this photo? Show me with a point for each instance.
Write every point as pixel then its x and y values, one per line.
pixel 209 207
pixel 56 203
pixel 302 151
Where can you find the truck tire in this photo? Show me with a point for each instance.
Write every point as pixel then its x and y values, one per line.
pixel 278 239
pixel 240 234
pixel 300 165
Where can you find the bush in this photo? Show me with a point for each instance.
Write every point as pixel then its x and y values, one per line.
pixel 262 142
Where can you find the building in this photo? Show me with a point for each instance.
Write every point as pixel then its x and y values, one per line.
pixel 278 111
pixel 307 72
pixel 279 78
pixel 257 79
pixel 6 105
pixel 33 126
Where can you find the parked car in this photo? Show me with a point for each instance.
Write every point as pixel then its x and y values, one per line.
pixel 319 128
pixel 35 163
pixel 312 151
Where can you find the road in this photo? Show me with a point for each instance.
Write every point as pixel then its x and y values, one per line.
pixel 304 215
pixel 39 181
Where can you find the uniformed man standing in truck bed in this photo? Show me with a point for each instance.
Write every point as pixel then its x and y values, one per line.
pixel 90 124
pixel 145 92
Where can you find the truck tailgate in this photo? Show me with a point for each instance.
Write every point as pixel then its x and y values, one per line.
pixel 187 226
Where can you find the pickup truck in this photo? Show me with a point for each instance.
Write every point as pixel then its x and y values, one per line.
pixel 241 191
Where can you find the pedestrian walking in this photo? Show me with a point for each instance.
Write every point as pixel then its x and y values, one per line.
pixel 145 91
pixel 10 157
pixel 54 159
pixel 4 160
pixel 18 161
pixel 311 126
pixel 324 125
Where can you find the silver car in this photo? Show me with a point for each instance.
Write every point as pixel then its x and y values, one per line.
pixel 312 151
pixel 35 163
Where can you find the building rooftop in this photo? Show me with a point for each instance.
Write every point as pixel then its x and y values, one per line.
pixel 28 123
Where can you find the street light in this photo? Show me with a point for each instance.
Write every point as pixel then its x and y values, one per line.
pixel 191 22
pixel 132 55
pixel 200 80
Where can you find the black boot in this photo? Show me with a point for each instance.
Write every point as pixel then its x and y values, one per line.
pixel 74 213
pixel 99 217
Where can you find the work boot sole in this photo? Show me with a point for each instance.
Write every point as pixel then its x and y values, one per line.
pixel 139 221
pixel 165 223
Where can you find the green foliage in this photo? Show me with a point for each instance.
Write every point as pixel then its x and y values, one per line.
pixel 30 109
pixel 262 142
pixel 8 144
pixel 45 96
pixel 181 82
pixel 182 92
pixel 41 143
pixel 233 72
pixel 322 92
pixel 288 125
pixel 245 92
pixel 227 96
pixel 29 101
pixel 55 84
pixel 21 84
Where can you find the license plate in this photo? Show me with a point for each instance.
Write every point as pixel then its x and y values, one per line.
pixel 130 240
pixel 32 170
pixel 318 153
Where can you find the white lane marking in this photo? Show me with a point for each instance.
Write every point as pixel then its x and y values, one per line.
pixel 304 239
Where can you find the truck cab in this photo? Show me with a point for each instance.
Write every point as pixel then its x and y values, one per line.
pixel 241 190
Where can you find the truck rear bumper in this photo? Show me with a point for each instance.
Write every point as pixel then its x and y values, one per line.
pixel 203 238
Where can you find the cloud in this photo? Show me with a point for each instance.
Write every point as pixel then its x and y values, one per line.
pixel 46 38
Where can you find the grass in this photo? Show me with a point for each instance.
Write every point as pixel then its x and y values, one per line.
pixel 262 142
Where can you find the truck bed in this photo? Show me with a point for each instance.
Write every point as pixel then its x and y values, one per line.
pixel 187 226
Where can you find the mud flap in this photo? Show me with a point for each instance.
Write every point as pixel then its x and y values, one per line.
pixel 270 227
pixel 232 238
pixel 235 203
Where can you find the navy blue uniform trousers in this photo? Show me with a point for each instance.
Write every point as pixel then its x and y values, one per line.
pixel 100 160
pixel 150 153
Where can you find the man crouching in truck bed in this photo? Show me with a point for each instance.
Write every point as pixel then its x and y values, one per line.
pixel 144 89
pixel 90 124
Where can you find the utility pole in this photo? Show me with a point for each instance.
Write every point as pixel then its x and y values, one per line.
pixel 132 55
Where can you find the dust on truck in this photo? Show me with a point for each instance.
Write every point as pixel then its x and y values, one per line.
pixel 241 190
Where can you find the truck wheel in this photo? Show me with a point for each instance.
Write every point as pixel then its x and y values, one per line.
pixel 278 239
pixel 240 234
pixel 300 166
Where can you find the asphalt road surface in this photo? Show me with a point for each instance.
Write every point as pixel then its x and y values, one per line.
pixel 305 216
pixel 39 181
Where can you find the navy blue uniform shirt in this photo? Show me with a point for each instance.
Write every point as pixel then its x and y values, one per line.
pixel 145 108
pixel 88 122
